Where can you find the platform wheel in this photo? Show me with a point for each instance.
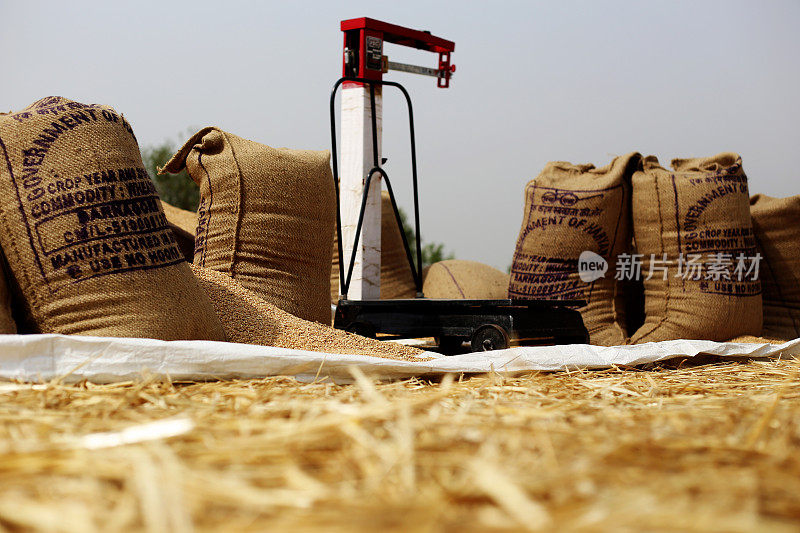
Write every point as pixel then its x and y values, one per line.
pixel 488 338
pixel 361 328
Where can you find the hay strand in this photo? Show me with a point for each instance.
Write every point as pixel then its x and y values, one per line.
pixel 693 448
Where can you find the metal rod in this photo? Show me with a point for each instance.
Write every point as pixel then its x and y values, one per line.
pixel 415 69
pixel 416 270
pixel 334 161
pixel 374 121
pixel 364 196
pixel 359 226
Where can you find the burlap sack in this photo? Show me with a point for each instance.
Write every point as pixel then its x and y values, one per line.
pixel 397 281
pixel 776 223
pixel 692 215
pixel 249 319
pixel 7 324
pixel 459 279
pixel 183 224
pixel 86 239
pixel 572 210
pixel 266 217
pixel 633 289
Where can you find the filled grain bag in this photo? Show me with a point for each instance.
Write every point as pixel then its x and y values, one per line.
pixel 249 319
pixel 776 224
pixel 183 224
pixel 83 231
pixel 397 281
pixel 692 228
pixel 459 279
pixel 575 225
pixel 7 324
pixel 266 217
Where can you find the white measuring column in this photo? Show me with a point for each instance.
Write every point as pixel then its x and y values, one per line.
pixel 356 162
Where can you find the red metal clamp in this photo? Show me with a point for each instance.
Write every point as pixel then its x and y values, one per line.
pixel 363 50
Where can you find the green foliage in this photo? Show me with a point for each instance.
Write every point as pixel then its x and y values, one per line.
pixel 432 252
pixel 176 189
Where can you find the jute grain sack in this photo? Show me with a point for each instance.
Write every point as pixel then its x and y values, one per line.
pixel 86 239
pixel 266 217
pixel 249 319
pixel 577 212
pixel 690 226
pixel 459 279
pixel 183 224
pixel 776 223
pixel 397 281
pixel 7 324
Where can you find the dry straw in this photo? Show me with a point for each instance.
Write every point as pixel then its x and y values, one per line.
pixel 692 448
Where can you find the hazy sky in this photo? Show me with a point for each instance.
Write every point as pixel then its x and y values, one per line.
pixel 536 81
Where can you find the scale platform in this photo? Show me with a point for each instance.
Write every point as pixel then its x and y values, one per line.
pixel 485 324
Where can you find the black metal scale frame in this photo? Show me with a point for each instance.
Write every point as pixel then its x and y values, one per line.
pixel 416 270
pixel 486 324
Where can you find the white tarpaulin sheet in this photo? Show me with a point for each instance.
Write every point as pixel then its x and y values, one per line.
pixel 40 358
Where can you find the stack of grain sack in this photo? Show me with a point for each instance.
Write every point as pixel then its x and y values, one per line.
pixel 88 249
pixel 661 254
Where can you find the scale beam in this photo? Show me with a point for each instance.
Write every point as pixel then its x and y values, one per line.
pixel 416 69
pixel 363 50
